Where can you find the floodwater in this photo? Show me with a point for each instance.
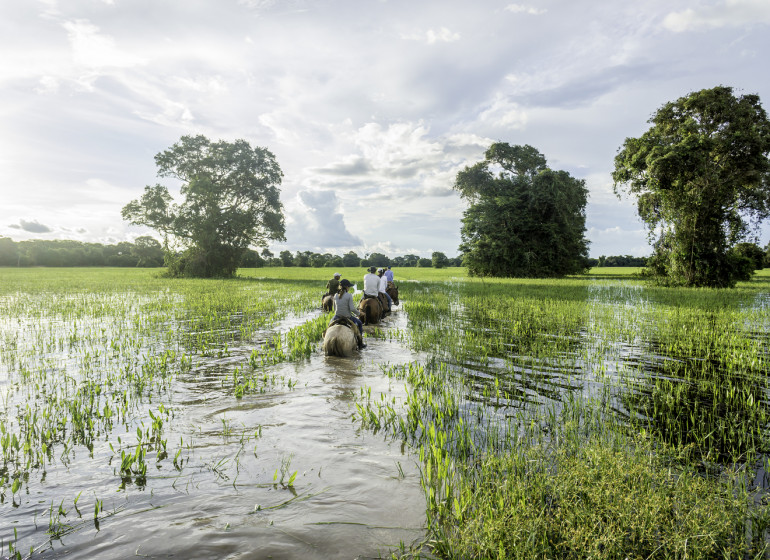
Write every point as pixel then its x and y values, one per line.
pixel 356 494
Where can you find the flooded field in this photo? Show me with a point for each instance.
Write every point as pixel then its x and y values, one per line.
pixel 134 423
pixel 149 417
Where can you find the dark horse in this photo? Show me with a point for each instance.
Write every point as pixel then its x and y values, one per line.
pixel 393 292
pixel 327 303
pixel 371 309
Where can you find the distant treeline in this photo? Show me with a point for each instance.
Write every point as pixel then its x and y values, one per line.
pixel 147 252
pixel 618 260
pixel 755 257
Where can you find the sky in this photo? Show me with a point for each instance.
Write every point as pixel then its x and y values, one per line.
pixel 371 107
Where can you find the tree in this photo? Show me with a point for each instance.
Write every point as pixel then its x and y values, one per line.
pixel 701 177
pixel 525 220
pixel 335 262
pixel 231 201
pixel 147 251
pixel 302 258
pixel 350 259
pixel 379 260
pixel 439 260
pixel 251 259
pixel 9 254
pixel 753 252
pixel 286 258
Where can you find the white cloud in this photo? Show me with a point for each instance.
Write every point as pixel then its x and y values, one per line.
pixel 93 49
pixel 728 13
pixel 316 221
pixel 521 8
pixel 433 36
pixel 502 112
pixel 47 84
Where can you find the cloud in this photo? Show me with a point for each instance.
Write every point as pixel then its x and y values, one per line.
pixel 729 13
pixel 92 49
pixel 502 112
pixel 317 221
pixel 47 84
pixel 33 227
pixel 432 36
pixel 352 165
pixel 521 8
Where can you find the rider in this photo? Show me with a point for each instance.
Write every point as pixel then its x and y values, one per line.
pixel 389 275
pixel 345 308
pixel 383 287
pixel 371 283
pixel 332 286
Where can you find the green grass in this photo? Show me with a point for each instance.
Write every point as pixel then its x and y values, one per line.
pixel 591 416
pixel 642 409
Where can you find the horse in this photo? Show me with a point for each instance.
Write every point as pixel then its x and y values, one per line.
pixel 371 309
pixel 383 299
pixel 339 340
pixel 393 292
pixel 327 303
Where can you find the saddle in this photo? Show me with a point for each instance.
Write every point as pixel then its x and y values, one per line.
pixel 344 322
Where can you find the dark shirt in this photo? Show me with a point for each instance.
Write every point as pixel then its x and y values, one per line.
pixel 333 286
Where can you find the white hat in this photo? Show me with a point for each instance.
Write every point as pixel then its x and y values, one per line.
pixel 336 274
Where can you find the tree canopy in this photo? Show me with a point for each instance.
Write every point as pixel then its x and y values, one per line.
pixel 523 219
pixel 701 178
pixel 231 201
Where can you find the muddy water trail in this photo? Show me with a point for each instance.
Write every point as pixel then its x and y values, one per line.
pixel 355 494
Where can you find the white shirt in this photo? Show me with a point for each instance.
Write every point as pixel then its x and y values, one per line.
pixel 383 284
pixel 371 284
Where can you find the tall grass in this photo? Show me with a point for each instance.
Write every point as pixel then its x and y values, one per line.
pixel 582 418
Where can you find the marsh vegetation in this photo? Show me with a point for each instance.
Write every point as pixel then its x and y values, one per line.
pixel 592 416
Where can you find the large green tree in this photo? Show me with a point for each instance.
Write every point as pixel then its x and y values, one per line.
pixel 701 178
pixel 523 219
pixel 231 201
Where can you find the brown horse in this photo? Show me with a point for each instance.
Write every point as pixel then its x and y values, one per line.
pixel 371 309
pixel 383 299
pixel 393 292
pixel 328 303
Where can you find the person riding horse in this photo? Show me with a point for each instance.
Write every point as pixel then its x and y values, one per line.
pixel 332 286
pixel 383 287
pixel 345 309
pixel 371 283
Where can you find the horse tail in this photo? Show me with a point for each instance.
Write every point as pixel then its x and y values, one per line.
pixel 332 346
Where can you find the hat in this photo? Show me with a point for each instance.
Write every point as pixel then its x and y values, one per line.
pixel 336 274
pixel 380 270
pixel 345 283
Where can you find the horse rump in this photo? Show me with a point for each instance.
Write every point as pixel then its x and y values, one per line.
pixel 339 340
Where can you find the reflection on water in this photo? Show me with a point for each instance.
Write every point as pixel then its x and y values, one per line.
pixel 227 494
pixel 691 375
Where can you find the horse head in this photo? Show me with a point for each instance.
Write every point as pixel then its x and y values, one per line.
pixel 393 292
